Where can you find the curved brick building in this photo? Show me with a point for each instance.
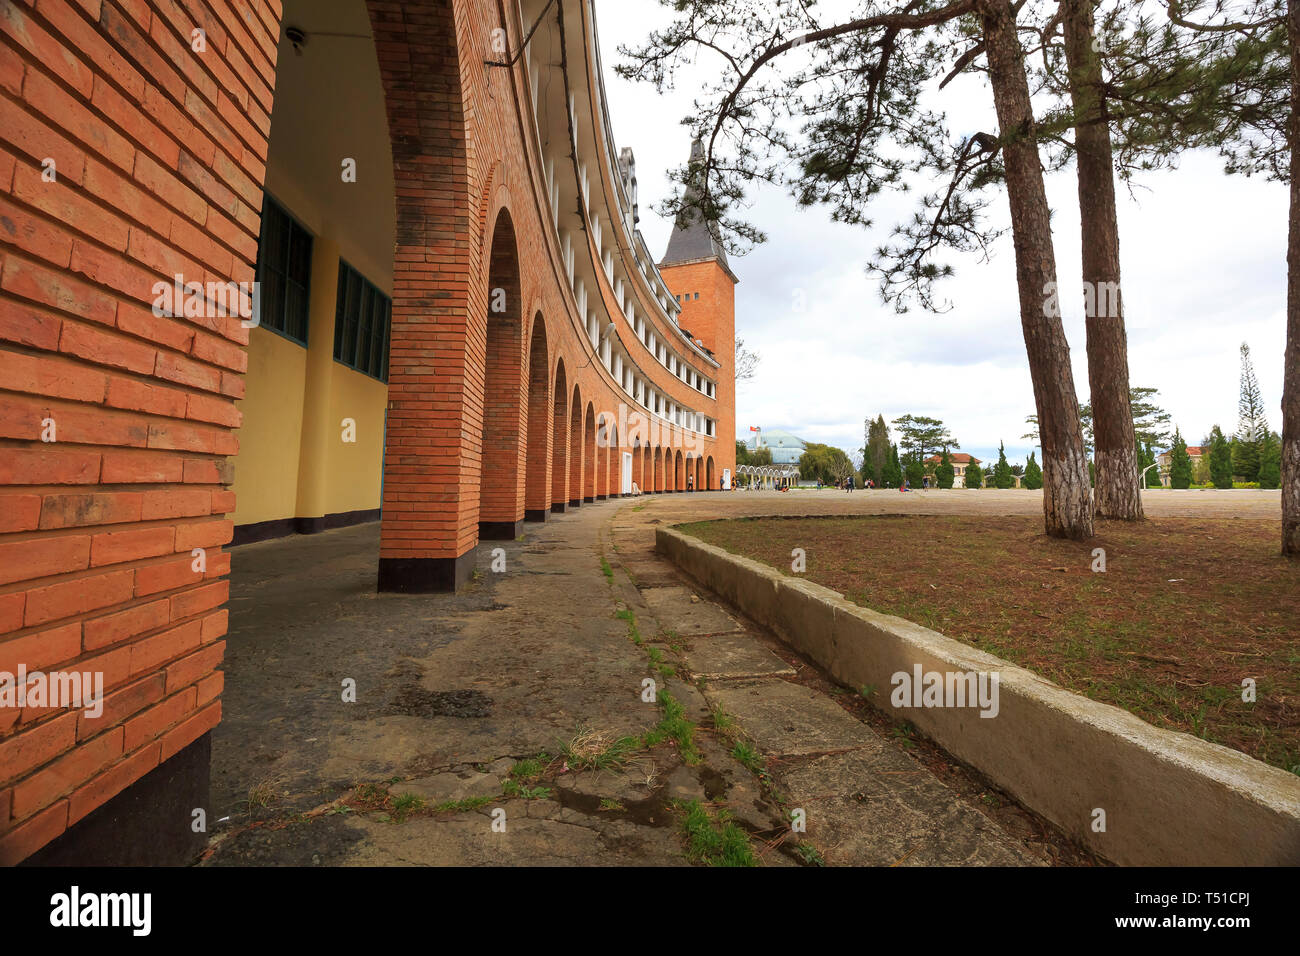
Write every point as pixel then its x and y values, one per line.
pixel 456 328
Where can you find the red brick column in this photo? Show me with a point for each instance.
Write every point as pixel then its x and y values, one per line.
pixel 431 466
pixel 132 150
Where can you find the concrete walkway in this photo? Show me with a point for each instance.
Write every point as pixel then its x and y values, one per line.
pixel 453 692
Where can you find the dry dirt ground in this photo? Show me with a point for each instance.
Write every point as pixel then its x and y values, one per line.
pixel 1166 618
pixel 511 724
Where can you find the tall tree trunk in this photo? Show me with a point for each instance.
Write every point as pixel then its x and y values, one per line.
pixel 1067 499
pixel 1291 357
pixel 1117 494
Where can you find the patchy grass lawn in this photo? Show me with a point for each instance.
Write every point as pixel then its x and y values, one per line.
pixel 1186 610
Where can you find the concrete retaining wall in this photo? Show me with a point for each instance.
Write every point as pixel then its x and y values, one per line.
pixel 1169 798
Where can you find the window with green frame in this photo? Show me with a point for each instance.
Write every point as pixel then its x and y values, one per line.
pixel 362 323
pixel 283 272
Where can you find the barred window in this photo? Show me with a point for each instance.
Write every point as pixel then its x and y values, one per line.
pixel 283 272
pixel 362 324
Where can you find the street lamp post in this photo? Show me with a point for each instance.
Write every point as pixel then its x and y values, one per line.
pixel 1142 479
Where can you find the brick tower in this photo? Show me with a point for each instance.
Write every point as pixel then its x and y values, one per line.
pixel 696 270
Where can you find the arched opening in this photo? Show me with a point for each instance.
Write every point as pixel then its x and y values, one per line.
pixel 537 490
pixel 699 474
pixel 679 473
pixel 656 469
pixel 638 471
pixel 615 465
pixel 575 449
pixel 589 455
pixel 560 442
pixel 602 456
pixel 710 479
pixel 504 396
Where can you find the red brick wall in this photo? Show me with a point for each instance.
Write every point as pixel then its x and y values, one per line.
pixel 158 157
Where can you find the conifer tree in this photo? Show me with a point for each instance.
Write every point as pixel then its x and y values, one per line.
pixel 1252 423
pixel 1220 459
pixel 1180 464
pixel 1003 477
pixel 1033 479
pixel 945 474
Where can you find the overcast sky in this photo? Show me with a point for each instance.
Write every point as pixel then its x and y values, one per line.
pixel 1203 257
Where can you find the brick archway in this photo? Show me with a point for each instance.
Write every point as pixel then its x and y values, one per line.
pixel 602 456
pixel 560 442
pixel 709 477
pixel 615 465
pixel 537 490
pixel 575 449
pixel 589 455
pixel 504 395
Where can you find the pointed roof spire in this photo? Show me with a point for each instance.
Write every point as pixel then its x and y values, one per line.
pixel 692 238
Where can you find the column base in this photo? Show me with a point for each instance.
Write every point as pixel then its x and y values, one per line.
pixel 425 575
pixel 536 515
pixel 499 530
pixel 147 824
pixel 575 502
pixel 559 507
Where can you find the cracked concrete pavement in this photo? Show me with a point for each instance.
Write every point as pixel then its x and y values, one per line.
pixel 453 690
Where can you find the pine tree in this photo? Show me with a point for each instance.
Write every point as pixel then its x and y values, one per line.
pixel 1033 479
pixel 1252 424
pixel 1220 459
pixel 875 456
pixel 1180 464
pixel 1002 475
pixel 893 471
pixel 945 474
pixel 1270 461
pixel 840 119
pixel 974 475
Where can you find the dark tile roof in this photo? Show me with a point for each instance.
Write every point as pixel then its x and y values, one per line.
pixel 692 238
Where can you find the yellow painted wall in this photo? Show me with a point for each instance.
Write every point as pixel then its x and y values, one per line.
pixel 327 107
pixel 354 471
pixel 266 470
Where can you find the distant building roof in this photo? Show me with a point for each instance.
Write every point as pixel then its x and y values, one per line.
pixel 958 458
pixel 785 446
pixel 777 438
